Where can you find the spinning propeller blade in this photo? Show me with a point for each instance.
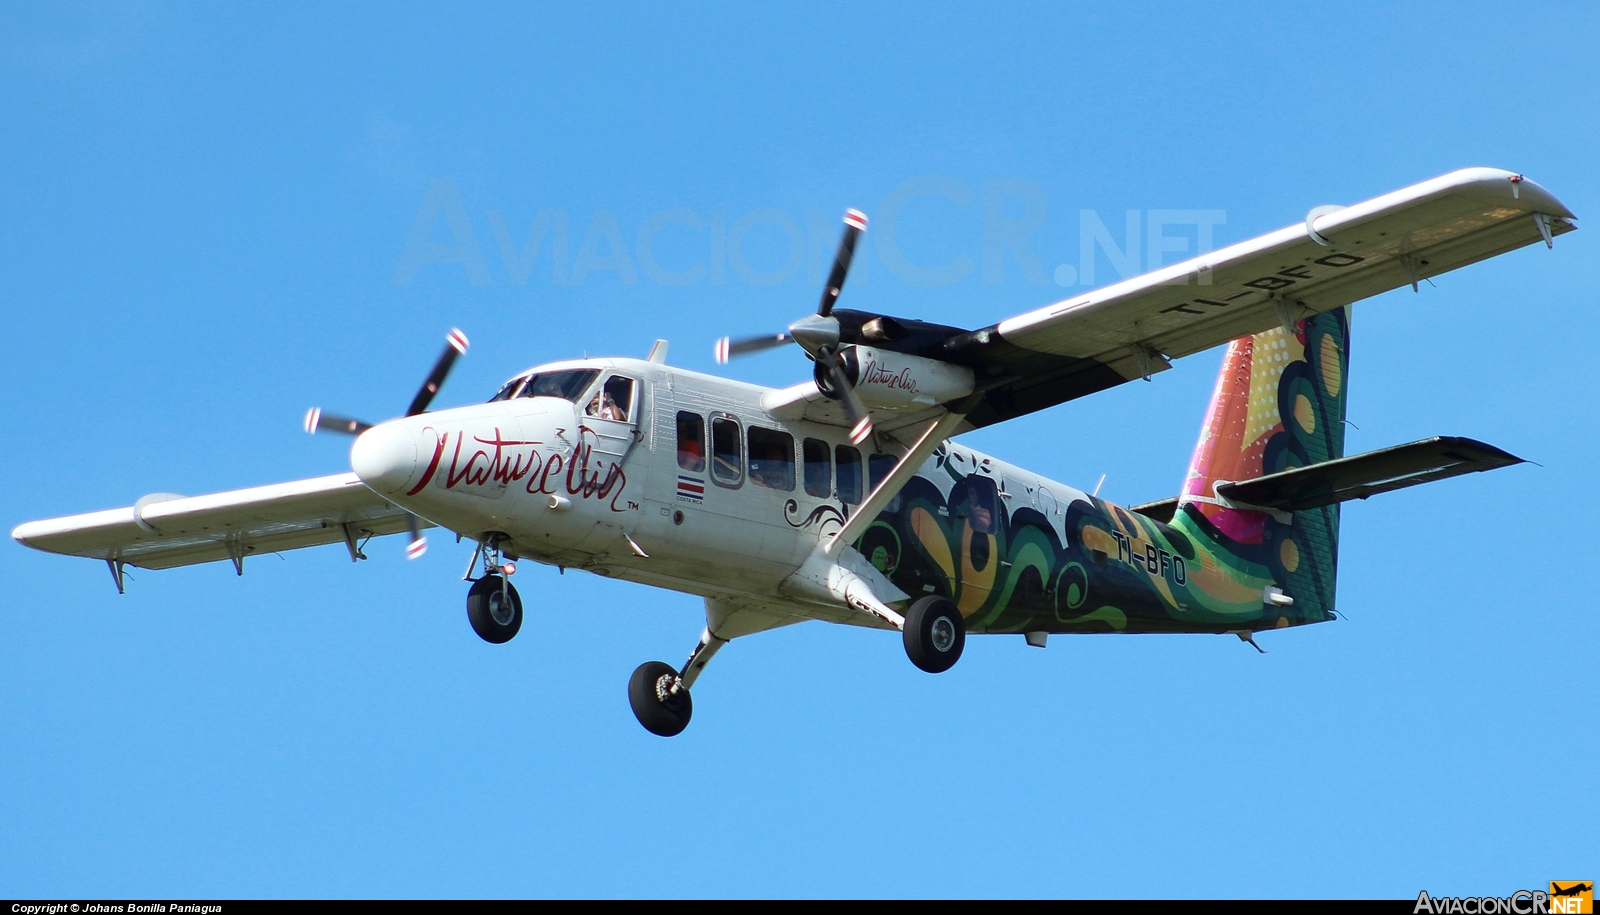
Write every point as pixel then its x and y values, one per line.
pixel 419 540
pixel 318 421
pixel 455 345
pixel 854 410
pixel 855 223
pixel 726 348
pixel 809 332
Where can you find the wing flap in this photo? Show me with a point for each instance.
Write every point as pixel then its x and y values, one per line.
pixel 168 531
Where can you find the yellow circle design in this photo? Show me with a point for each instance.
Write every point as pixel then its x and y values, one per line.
pixel 1289 554
pixel 1303 413
pixel 1332 374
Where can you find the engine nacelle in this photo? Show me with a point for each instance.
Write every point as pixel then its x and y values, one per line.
pixel 888 380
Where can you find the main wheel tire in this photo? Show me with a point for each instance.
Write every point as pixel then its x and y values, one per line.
pixel 494 619
pixel 935 634
pixel 650 694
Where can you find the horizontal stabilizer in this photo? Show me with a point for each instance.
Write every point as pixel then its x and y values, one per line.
pixel 1354 477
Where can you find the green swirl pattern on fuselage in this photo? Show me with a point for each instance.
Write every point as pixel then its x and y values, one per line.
pixel 1090 566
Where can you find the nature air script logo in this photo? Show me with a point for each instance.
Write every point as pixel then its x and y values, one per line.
pixel 487 466
pixel 1566 897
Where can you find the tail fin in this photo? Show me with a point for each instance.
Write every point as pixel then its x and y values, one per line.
pixel 1279 404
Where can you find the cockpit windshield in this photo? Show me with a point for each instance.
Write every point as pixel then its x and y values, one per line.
pixel 567 385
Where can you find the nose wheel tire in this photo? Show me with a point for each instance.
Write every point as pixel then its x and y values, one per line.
pixel 935 634
pixel 661 711
pixel 495 609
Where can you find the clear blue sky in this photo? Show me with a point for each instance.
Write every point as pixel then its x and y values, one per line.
pixel 202 212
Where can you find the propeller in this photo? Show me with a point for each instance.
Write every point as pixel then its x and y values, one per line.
pixel 818 334
pixel 318 421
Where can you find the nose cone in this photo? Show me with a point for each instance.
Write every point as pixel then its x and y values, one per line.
pixel 385 457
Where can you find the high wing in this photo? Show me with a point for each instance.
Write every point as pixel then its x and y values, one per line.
pixel 163 530
pixel 1336 256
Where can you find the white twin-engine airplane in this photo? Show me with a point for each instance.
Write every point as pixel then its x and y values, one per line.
pixel 843 498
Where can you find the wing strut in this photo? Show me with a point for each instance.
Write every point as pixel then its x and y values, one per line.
pixel 932 437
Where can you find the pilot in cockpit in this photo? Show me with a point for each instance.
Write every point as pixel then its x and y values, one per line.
pixel 611 401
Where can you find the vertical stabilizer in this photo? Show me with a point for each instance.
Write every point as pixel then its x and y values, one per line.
pixel 1279 404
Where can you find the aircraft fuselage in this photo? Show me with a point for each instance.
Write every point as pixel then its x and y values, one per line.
pixel 692 485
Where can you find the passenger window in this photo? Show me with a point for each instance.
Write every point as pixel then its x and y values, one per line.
pixel 849 460
pixel 819 470
pixel 983 504
pixel 878 468
pixel 727 464
pixel 691 442
pixel 614 399
pixel 772 458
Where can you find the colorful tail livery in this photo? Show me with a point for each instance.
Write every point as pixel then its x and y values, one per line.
pixel 1279 404
pixel 1250 543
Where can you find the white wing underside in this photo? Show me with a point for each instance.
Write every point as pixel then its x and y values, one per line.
pixel 1336 256
pixel 1398 239
pixel 165 531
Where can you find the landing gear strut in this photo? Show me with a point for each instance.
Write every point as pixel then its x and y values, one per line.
pixel 493 606
pixel 934 634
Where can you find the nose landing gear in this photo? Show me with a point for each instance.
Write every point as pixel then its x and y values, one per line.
pixel 493 606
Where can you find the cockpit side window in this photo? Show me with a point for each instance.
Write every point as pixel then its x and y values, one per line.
pixel 614 400
pixel 567 385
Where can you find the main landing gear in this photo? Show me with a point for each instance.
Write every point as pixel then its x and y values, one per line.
pixel 493 606
pixel 934 634
pixel 659 695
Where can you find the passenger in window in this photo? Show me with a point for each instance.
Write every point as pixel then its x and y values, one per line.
pixel 691 442
pixel 769 466
pixel 772 459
